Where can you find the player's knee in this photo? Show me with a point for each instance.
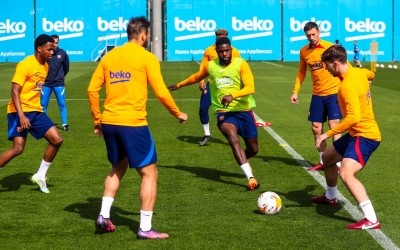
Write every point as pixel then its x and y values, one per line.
pixel 57 142
pixel 17 150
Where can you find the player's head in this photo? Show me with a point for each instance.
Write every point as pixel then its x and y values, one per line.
pixel 56 40
pixel 333 58
pixel 224 50
pixel 44 47
pixel 312 33
pixel 139 30
pixel 221 33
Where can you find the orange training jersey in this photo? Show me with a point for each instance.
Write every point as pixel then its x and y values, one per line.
pixel 126 71
pixel 355 103
pixel 30 74
pixel 323 82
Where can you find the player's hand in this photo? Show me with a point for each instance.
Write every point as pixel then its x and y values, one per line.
pixel 294 99
pixel 320 139
pixel 98 130
pixel 183 117
pixel 173 87
pixel 226 100
pixel 203 87
pixel 24 122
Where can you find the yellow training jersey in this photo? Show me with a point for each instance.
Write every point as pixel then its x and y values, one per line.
pixel 126 72
pixel 29 74
pixel 355 103
pixel 323 82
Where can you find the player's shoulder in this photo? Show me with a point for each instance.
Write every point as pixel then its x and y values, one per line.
pixel 325 44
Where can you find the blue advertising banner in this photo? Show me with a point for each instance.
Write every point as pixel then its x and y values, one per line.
pixel 346 21
pixel 296 13
pixel 86 28
pixel 367 27
pixel 16 30
pixel 396 35
pixel 254 28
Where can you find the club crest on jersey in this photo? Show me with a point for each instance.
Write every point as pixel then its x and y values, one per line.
pixel 120 76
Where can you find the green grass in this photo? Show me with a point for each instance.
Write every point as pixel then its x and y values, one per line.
pixel 202 200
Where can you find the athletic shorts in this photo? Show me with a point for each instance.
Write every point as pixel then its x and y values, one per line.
pixel 357 148
pixel 322 107
pixel 244 122
pixel 40 124
pixel 134 143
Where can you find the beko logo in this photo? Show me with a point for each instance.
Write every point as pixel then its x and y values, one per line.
pixel 296 26
pixel 369 28
pixel 74 28
pixel 204 28
pixel 12 30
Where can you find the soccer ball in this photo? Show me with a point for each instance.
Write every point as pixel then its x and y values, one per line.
pixel 395 66
pixel 389 66
pixel 269 203
pixel 382 65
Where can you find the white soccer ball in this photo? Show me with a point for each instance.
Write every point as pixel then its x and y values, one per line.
pixel 382 66
pixel 389 66
pixel 269 203
pixel 377 65
pixel 395 66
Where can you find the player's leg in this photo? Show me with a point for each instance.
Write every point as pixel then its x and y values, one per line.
pixel 42 126
pixel 111 187
pixel 16 149
pixel 355 158
pixel 45 97
pixel 229 128
pixel 205 103
pixel 317 117
pixel 330 157
pixel 61 100
pixel 119 161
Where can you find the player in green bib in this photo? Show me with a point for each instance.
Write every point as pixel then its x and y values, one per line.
pixel 231 89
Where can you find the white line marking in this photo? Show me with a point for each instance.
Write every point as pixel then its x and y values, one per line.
pixel 378 235
pixel 274 64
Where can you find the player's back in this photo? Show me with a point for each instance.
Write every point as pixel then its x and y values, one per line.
pixel 126 71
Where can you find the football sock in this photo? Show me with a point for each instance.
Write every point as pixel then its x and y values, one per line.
pixel 331 192
pixel 206 128
pixel 247 170
pixel 106 204
pixel 44 166
pixel 145 220
pixel 320 157
pixel 368 210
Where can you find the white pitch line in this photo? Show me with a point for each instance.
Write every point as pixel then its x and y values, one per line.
pixel 378 235
pixel 274 64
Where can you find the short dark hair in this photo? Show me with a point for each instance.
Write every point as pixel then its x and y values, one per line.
pixel 54 36
pixel 310 26
pixel 222 40
pixel 221 32
pixel 42 40
pixel 335 53
pixel 136 26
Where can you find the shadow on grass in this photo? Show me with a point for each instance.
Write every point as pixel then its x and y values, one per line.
pixel 90 210
pixel 210 174
pixel 197 139
pixel 14 182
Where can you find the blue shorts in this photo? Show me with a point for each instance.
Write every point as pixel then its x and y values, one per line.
pixel 322 107
pixel 135 143
pixel 357 148
pixel 40 124
pixel 244 121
